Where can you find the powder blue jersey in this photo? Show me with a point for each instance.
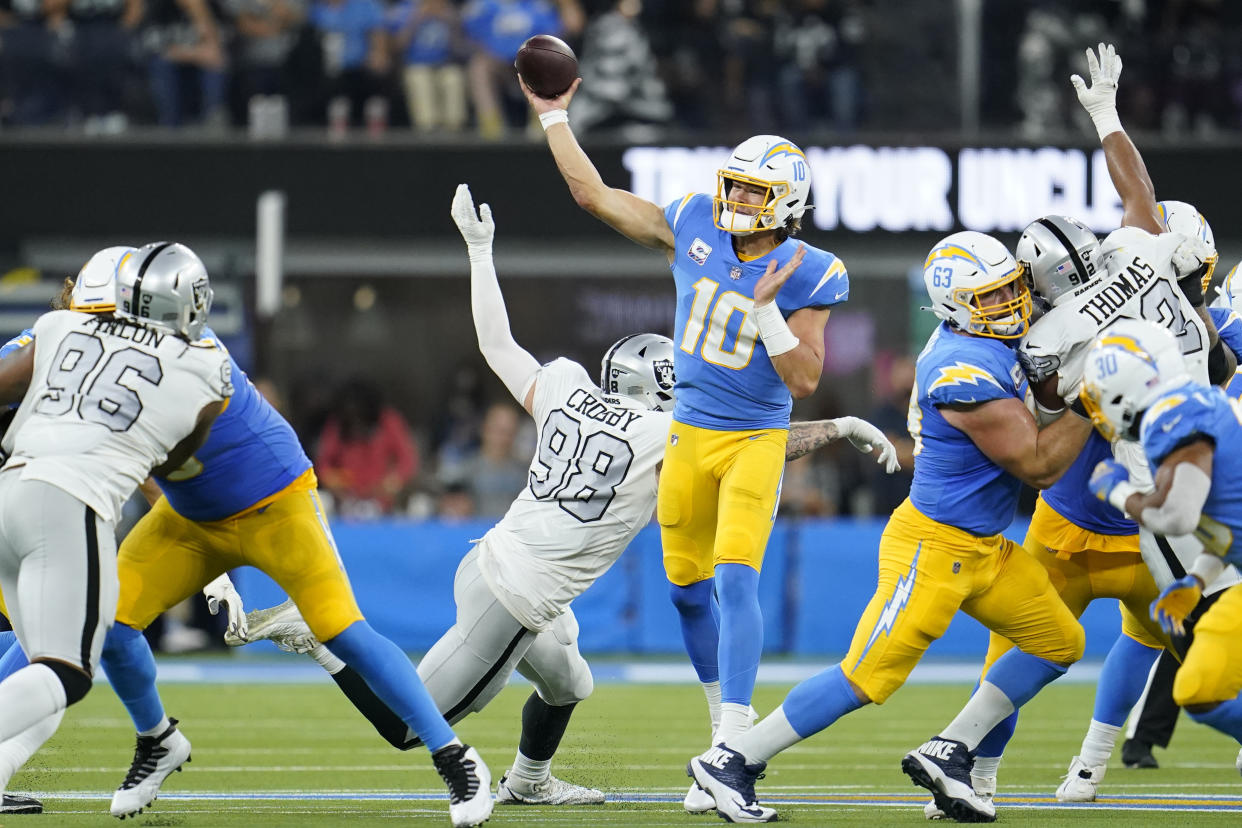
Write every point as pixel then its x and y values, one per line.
pixel 1072 500
pixel 954 482
pixel 251 453
pixel 1178 417
pixel 1229 326
pixel 725 380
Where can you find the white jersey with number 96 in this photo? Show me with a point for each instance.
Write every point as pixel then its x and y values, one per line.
pixel 108 399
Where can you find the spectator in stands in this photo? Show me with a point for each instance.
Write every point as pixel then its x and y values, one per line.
pixel 424 33
pixel 31 64
pixel 103 33
pixel 494 474
pixel 893 391
pixel 496 30
pixel 266 32
pixel 356 61
pixel 366 457
pixel 620 85
pixel 455 503
pixel 820 78
pixel 186 61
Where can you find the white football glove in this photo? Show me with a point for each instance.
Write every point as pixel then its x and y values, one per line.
pixel 865 437
pixel 1191 255
pixel 477 230
pixel 1100 99
pixel 221 591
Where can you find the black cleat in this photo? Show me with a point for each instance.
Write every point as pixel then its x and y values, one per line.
pixel 1136 754
pixel 18 804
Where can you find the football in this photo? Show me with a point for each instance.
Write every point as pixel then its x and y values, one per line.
pixel 547 65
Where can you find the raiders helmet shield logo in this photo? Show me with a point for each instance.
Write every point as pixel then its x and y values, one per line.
pixel 202 296
pixel 664 375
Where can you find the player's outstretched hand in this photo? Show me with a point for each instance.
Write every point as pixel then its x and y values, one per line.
pixel 1175 603
pixel 476 228
pixel 1192 257
pixel 221 591
pixel 773 279
pixel 542 105
pixel 1101 95
pixel 867 438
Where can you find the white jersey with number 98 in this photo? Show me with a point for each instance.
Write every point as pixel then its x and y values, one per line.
pixel 591 487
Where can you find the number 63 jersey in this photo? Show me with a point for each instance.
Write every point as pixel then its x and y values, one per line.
pixel 591 487
pixel 108 399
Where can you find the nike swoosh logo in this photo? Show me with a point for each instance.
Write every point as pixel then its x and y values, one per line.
pixel 842 293
pixel 741 806
pixel 1167 427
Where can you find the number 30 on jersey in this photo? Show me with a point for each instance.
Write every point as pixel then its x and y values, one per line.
pixel 717 315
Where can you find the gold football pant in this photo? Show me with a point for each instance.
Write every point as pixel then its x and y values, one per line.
pixel 930 570
pixel 166 558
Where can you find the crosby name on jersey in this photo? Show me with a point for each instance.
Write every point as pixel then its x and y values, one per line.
pixel 591 487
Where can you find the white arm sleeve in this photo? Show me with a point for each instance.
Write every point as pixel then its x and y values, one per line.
pixel 509 360
pixel 1179 514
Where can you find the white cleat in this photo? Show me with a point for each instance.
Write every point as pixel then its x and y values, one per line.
pixel 698 801
pixel 551 791
pixel 1237 763
pixel 155 758
pixel 282 624
pixel 469 784
pixel 1082 782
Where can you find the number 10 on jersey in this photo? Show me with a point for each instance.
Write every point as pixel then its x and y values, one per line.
pixel 716 314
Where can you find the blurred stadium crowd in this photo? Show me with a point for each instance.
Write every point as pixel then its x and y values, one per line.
pixel 445 66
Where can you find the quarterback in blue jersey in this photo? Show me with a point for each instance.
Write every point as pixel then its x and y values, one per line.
pixel 749 328
pixel 975 443
pixel 248 497
pixel 1138 387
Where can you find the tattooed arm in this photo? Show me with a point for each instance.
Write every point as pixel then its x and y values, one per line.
pixel 805 437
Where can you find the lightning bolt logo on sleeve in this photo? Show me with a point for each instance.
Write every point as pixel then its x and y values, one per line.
pixel 962 373
pixel 901 597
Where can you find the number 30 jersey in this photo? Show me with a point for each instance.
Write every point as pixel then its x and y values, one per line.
pixel 108 399
pixel 591 487
pixel 725 380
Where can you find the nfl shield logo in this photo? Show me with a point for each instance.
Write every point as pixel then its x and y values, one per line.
pixel 735 273
pixel 957 567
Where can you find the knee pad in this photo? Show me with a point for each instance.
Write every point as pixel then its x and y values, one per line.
pixel 682 571
pixel 76 683
pixel 578 686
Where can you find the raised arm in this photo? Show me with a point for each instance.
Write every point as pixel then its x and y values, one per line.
pixel 1125 164
pixel 509 360
pixel 1006 432
pixel 633 217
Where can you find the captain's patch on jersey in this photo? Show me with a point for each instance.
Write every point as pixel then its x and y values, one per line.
pixel 699 251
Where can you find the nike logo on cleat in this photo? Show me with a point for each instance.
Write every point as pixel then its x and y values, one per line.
pixel 743 808
pixel 716 757
pixel 938 748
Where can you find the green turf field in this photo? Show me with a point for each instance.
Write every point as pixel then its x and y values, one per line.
pixel 292 754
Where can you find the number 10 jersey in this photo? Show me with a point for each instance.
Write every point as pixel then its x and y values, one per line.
pixel 591 487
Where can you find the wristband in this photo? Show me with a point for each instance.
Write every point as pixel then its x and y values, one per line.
pixel 479 252
pixel 1120 494
pixel 1107 122
pixel 553 116
pixel 777 338
pixel 1207 569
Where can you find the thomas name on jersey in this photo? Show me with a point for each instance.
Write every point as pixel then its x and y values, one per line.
pixel 1114 295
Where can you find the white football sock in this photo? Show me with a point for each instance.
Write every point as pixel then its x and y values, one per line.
pixel 711 689
pixel 986 767
pixel 734 721
pixel 158 729
pixel 987 708
pixel 531 770
pixel 27 697
pixel 16 751
pixel 1099 743
pixel 769 737
pixel 327 660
